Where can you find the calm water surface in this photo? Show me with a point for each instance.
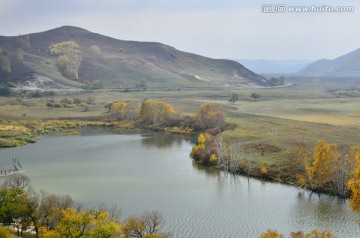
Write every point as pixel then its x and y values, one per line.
pixel 141 171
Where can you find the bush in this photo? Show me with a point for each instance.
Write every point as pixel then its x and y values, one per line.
pixel 36 94
pixel 50 104
pixel 5 91
pixel 4 233
pixel 11 85
pixel 58 105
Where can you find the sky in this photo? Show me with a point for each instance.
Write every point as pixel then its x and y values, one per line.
pixel 233 29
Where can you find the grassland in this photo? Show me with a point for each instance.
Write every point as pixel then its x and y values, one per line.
pixel 302 113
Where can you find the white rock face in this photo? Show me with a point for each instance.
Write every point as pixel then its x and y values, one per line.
pixel 43 83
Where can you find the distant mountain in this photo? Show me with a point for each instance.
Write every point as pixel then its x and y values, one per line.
pixel 101 61
pixel 346 65
pixel 274 66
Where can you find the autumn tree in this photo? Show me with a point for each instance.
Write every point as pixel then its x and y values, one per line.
pixel 271 234
pixel 205 152
pixel 18 202
pixel 73 224
pixel 299 234
pixel 118 110
pixel 147 225
pixel 209 116
pixel 5 64
pixel 4 233
pixel 132 111
pixel 327 168
pixel 157 113
pixel 69 58
pixel 125 111
pixel 50 207
pixel 94 50
pixel 354 183
pixel 20 54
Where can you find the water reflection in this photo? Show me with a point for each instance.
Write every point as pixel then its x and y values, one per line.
pixel 162 140
pixel 319 210
pixel 210 171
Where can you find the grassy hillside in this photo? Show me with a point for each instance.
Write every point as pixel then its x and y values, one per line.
pixel 117 63
pixel 346 65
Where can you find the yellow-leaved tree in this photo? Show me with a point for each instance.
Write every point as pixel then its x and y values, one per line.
pixel 209 116
pixel 157 113
pixel 354 183
pixel 299 234
pixel 69 58
pixel 327 169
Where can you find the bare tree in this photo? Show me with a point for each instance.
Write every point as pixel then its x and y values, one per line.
pixel 18 181
pixel 340 176
pixel 235 155
pixel 221 150
pixel 145 225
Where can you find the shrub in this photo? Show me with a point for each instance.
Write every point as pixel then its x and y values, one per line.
pixel 4 233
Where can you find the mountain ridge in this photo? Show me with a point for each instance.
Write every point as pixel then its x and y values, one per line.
pixel 344 65
pixel 121 63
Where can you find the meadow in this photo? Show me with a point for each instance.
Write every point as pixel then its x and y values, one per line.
pixel 268 129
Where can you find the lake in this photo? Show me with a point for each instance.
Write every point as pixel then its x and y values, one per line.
pixel 142 171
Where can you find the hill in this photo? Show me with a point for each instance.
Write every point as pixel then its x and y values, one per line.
pixel 346 65
pixel 76 57
pixel 274 66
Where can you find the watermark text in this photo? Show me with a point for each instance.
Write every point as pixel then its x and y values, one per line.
pixel 283 8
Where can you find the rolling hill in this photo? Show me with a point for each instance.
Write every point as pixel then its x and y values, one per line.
pixel 274 66
pixel 115 64
pixel 346 65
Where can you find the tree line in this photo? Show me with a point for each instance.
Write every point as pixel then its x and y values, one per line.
pixel 57 216
pixel 153 113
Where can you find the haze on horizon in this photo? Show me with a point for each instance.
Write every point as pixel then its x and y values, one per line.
pixel 218 29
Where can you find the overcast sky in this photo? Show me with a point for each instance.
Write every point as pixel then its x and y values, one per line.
pixel 214 28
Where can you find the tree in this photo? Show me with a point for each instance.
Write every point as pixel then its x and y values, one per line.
pixel 327 168
pixel 271 234
pixel 20 54
pixel 23 41
pixel 209 116
pixel 94 50
pixel 157 113
pixel 50 208
pixel 26 200
pixel 147 225
pixel 74 224
pixel 76 101
pixel 18 203
pixel 4 233
pixel 18 181
pixel 90 100
pixel 69 58
pixel 5 64
pixel 354 183
pixel 132 111
pixel 299 234
pixel 233 98
pixel 255 96
pixel 108 106
pixel 205 152
pixel 118 110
